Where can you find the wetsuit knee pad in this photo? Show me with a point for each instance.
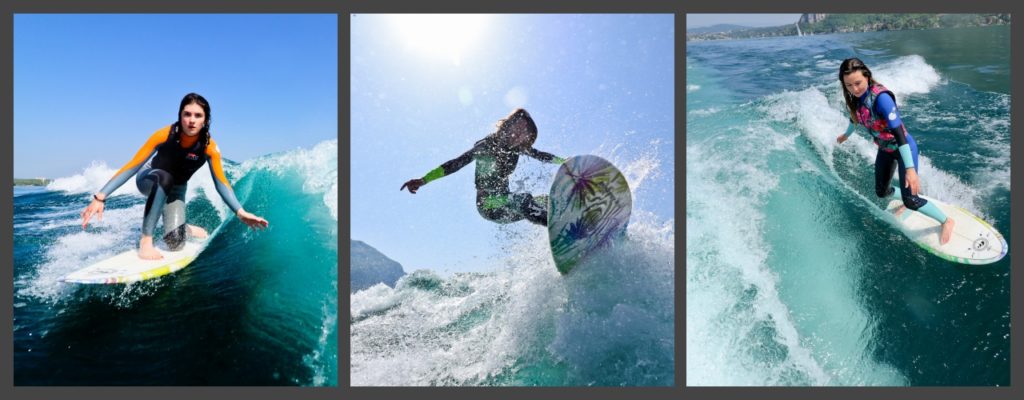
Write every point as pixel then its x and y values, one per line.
pixel 914 202
pixel 175 238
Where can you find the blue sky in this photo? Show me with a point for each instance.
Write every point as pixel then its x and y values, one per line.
pixel 425 88
pixel 754 20
pixel 91 87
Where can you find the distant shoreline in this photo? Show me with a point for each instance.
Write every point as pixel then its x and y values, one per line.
pixel 32 182
pixel 823 24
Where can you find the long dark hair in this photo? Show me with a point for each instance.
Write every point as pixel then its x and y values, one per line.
pixel 201 101
pixel 848 66
pixel 504 126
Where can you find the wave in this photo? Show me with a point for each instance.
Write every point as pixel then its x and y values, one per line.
pixel 608 323
pixel 287 274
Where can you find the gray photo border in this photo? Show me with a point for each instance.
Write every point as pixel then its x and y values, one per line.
pixel 344 9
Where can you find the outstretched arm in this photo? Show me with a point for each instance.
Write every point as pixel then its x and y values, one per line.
pixel 220 181
pixel 445 169
pixel 544 156
pixel 846 135
pixel 133 166
pixel 95 207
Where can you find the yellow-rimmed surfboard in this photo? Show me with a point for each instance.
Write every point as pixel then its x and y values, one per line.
pixel 973 242
pixel 127 267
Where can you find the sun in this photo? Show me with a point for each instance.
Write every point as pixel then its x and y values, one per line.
pixel 447 37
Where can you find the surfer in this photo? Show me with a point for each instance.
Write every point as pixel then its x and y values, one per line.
pixel 181 148
pixel 496 156
pixel 873 106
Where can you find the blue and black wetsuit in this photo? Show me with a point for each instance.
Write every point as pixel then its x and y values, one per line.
pixel 878 113
pixel 494 164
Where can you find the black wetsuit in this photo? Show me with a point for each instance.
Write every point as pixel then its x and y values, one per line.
pixel 494 164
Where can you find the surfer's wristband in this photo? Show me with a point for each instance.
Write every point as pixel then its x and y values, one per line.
pixel 433 175
pixel 97 198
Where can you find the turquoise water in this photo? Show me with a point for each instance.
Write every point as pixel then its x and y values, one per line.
pixel 795 275
pixel 255 308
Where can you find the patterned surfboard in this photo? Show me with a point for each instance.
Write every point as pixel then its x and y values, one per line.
pixel 588 208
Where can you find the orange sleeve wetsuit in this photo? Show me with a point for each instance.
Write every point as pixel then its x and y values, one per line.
pixel 157 142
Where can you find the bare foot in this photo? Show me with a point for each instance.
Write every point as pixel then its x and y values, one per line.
pixel 147 251
pixel 900 210
pixel 197 232
pixel 150 254
pixel 947 230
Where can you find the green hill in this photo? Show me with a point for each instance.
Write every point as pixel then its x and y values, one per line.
pixel 32 182
pixel 819 24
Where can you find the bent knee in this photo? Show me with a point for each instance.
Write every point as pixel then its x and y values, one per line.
pixel 499 215
pixel 914 203
pixel 175 239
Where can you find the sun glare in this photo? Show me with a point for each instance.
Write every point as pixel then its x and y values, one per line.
pixel 448 37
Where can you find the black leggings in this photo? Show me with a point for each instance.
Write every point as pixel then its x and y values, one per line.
pixel 512 207
pixel 885 167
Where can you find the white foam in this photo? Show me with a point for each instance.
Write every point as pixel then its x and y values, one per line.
pixel 411 336
pixel 726 254
pixel 828 64
pixel 117 232
pixel 317 166
pixel 908 75
pixel 324 359
pixel 91 180
pixel 690 88
pixel 703 111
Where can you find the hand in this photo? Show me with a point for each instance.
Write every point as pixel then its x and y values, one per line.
pixel 841 139
pixel 95 207
pixel 413 184
pixel 912 181
pixel 252 220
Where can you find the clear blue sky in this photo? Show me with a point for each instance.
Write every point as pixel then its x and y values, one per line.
pixel 425 88
pixel 90 87
pixel 753 20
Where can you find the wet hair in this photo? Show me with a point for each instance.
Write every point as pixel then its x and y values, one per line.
pixel 504 126
pixel 849 66
pixel 201 101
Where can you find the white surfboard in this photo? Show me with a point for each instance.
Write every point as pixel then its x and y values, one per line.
pixel 127 267
pixel 973 242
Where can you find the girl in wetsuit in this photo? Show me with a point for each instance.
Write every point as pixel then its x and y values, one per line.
pixel 181 149
pixel 873 106
pixel 496 157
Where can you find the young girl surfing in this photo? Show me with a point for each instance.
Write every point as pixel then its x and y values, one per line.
pixel 873 106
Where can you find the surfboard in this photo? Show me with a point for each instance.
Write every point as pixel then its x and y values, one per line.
pixel 588 208
pixel 127 267
pixel 973 242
